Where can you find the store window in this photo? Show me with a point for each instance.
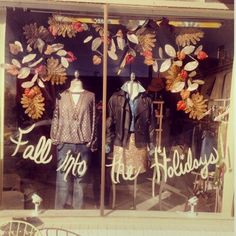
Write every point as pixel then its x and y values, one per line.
pixel 168 98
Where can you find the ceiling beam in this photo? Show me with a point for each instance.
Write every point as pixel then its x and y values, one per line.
pixel 86 7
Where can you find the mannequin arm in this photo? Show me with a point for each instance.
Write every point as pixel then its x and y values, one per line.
pixel 110 128
pixel 152 130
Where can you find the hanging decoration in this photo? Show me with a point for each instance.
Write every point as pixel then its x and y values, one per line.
pixel 35 65
pixel 33 102
pixel 65 26
pixel 43 61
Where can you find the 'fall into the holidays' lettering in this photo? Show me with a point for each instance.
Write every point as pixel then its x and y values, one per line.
pixel 177 165
pixel 39 153
pixel 77 167
pixel 119 169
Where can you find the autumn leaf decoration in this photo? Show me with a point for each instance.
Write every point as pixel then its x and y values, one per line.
pixel 33 102
pixel 196 106
pixel 35 65
pixel 189 35
pixel 36 35
pixel 65 26
pixel 173 77
pixel 56 73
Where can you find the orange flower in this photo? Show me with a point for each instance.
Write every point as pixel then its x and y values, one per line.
pixel 129 59
pixel 184 74
pixel 147 54
pixel 77 26
pixel 202 55
pixel 181 105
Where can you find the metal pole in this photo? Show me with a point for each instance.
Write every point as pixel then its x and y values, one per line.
pixel 104 103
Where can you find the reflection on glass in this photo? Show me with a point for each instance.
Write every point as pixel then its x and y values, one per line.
pixel 167 115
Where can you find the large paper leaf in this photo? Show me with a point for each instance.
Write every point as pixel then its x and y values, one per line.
pixel 40 83
pixel 165 65
pixel 155 66
pixel 199 48
pixel 192 74
pixel 191 65
pixel 29 48
pixel 27 84
pixel 132 38
pixel 87 39
pixel 112 55
pixel 29 58
pixel 177 87
pixel 35 77
pixel 113 46
pixel 19 45
pixel 193 87
pixel 57 46
pixel 40 45
pixel 188 49
pixel 178 63
pixel 170 51
pixel 160 51
pixel 120 43
pixel 61 53
pixel 122 65
pixel 36 62
pixel 64 62
pixel 199 81
pixel 16 63
pixel 24 73
pixel 96 43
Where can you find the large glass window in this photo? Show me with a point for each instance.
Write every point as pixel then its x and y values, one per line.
pixel 168 100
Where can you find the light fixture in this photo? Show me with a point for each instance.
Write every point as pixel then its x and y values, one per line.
pixel 198 24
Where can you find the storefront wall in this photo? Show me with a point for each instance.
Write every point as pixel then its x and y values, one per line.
pixel 136 222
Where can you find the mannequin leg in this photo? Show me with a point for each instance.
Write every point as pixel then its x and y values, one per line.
pixel 64 190
pixel 78 194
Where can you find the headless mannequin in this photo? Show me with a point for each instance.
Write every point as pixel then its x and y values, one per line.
pixel 76 87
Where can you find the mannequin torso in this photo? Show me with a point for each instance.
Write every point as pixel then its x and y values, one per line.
pixel 76 87
pixel 132 89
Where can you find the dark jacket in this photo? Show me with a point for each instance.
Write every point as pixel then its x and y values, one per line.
pixel 119 120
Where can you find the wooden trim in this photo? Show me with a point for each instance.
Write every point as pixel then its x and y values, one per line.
pixel 2 86
pixel 149 8
pixel 104 111
pixel 228 186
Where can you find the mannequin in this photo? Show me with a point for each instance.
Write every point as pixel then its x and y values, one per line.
pixel 76 87
pixel 131 125
pixel 73 132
